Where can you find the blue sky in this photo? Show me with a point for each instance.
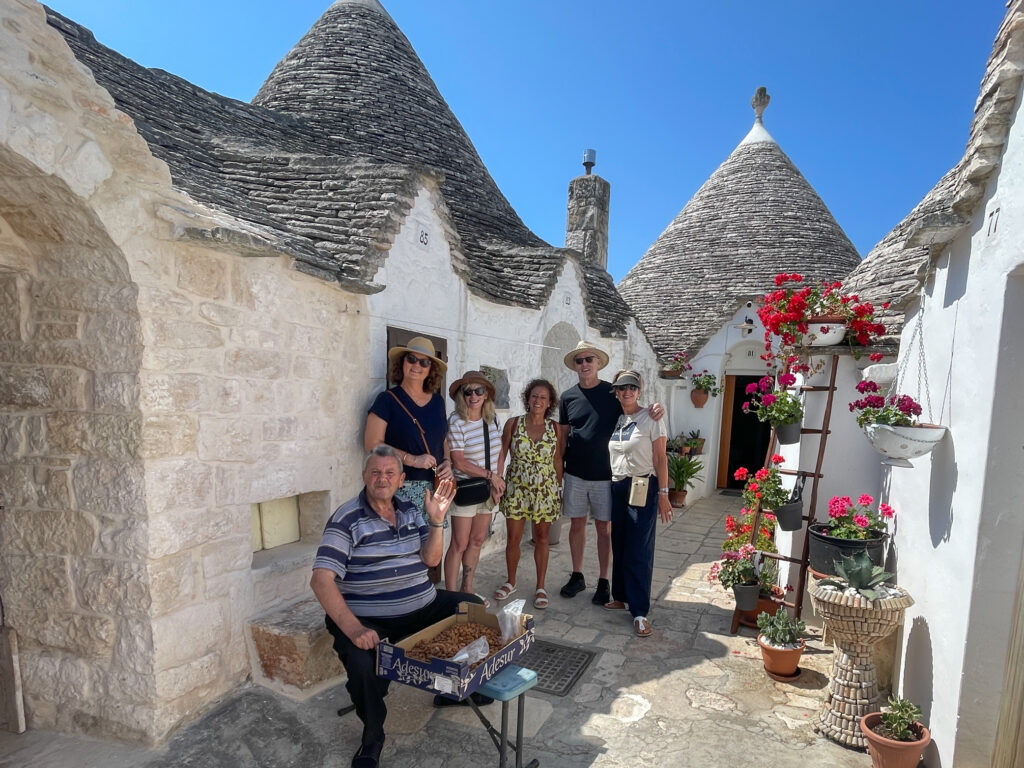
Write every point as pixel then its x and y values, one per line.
pixel 871 100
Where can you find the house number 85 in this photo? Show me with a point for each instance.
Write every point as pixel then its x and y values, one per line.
pixel 424 237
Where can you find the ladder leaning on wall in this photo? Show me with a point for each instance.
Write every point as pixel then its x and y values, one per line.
pixel 797 603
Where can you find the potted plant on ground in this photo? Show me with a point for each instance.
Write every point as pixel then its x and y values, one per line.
pixel 859 610
pixel 781 644
pixel 850 528
pixel 683 471
pixel 896 737
pixel 677 366
pixel 781 408
pixel 736 570
pixel 764 487
pixel 705 385
pixel 891 424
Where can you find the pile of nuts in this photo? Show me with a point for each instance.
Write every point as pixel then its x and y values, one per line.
pixel 448 642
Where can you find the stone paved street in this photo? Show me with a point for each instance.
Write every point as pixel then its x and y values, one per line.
pixel 690 695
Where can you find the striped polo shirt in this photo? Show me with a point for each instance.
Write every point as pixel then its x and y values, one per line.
pixel 377 566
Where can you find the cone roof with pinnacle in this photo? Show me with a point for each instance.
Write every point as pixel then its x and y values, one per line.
pixel 754 217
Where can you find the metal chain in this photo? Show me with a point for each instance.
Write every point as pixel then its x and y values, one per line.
pixel 917 336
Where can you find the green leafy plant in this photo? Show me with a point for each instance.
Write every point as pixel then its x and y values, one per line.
pixel 707 382
pixel 764 486
pixel 847 520
pixel 780 630
pixel 857 572
pixel 675 444
pixel 767 576
pixel 776 406
pixel 738 531
pixel 735 567
pixel 683 471
pixel 680 362
pixel 898 723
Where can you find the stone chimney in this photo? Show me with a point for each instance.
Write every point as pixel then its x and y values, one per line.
pixel 586 225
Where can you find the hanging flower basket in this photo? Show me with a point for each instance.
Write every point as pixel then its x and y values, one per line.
pixel 787 434
pixel 825 331
pixel 790 517
pixel 902 443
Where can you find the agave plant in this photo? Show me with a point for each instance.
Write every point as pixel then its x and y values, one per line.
pixel 857 572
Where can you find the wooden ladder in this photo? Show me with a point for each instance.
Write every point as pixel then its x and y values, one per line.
pixel 830 388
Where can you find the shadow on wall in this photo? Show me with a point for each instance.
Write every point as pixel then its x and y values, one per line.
pixel 943 484
pixel 917 680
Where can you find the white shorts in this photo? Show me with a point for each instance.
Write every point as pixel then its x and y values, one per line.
pixel 471 511
pixel 580 497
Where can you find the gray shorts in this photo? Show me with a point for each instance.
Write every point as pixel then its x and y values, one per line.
pixel 582 496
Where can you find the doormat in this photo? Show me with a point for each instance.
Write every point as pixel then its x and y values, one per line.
pixel 731 492
pixel 558 667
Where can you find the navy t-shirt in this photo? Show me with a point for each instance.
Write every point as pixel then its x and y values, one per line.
pixel 591 415
pixel 403 435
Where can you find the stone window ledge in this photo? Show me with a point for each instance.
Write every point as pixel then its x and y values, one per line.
pixel 287 557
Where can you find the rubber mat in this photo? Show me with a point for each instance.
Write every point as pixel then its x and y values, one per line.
pixel 558 667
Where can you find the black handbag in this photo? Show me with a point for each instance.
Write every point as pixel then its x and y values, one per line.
pixel 475 490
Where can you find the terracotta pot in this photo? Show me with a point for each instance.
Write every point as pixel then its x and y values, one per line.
pixel 685 450
pixel 698 397
pixel 668 373
pixel 764 605
pixel 676 498
pixel 888 753
pixel 699 448
pixel 780 661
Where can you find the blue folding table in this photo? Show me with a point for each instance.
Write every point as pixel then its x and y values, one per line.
pixel 512 682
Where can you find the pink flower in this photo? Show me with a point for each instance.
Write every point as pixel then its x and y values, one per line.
pixel 740 474
pixel 787 379
pixel 751 388
pixel 886 511
pixel 767 400
pixel 777 458
pixel 865 500
pixel 861 521
pixel 761 474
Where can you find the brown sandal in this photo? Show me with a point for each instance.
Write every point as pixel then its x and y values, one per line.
pixel 642 626
pixel 615 605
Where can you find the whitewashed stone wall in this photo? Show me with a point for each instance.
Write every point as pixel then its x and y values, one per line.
pixel 150 391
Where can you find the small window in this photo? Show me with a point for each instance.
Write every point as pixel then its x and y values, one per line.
pixel 274 523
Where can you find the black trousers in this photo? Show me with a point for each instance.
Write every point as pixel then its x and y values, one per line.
pixel 633 535
pixel 364 687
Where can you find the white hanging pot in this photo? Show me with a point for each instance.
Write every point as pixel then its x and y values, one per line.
pixel 825 331
pixel 899 444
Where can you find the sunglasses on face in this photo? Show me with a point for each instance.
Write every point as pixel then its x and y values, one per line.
pixel 422 362
pixel 478 391
pixel 630 387
pixel 582 360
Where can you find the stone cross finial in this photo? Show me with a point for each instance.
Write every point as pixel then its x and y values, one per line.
pixel 760 101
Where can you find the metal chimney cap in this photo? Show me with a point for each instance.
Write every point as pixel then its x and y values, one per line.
pixel 589 159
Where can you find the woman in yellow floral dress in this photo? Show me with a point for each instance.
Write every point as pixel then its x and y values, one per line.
pixel 533 444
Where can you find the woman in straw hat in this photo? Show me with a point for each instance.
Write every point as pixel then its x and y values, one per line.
pixel 474 437
pixel 410 417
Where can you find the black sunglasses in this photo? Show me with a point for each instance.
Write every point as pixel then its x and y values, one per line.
pixel 630 387
pixel 474 391
pixel 423 362
pixel 587 359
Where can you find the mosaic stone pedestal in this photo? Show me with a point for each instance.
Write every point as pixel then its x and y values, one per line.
pixel 857 625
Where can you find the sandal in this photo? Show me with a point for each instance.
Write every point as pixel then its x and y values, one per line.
pixel 642 626
pixel 540 598
pixel 484 600
pixel 504 591
pixel 615 605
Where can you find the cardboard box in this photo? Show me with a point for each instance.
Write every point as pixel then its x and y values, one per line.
pixel 453 680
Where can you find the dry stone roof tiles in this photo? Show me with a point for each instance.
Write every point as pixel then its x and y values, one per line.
pixel 328 157
pixel 754 217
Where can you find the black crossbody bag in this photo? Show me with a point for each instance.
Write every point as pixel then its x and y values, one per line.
pixel 475 490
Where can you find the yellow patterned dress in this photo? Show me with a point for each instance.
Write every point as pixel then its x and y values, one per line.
pixel 531 491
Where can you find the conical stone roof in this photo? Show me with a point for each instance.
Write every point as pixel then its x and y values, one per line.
pixel 754 217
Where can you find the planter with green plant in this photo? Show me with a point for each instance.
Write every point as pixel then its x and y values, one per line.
pixel 891 424
pixel 779 407
pixel 704 385
pixel 859 610
pixel 851 528
pixel 677 366
pixel 695 442
pixel 737 570
pixel 896 737
pixel 781 644
pixel 684 473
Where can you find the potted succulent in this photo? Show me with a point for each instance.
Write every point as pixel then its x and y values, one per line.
pixel 781 644
pixel 705 385
pixel 695 442
pixel 859 610
pixel 851 527
pixel 737 570
pixel 805 314
pixel 677 366
pixel 764 487
pixel 891 424
pixel 683 471
pixel 677 445
pixel 781 408
pixel 896 737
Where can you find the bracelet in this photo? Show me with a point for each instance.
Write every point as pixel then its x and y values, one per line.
pixel 436 525
pixel 663 491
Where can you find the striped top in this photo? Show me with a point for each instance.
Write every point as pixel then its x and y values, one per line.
pixel 468 437
pixel 377 566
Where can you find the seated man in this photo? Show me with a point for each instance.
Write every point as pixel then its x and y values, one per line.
pixel 370 576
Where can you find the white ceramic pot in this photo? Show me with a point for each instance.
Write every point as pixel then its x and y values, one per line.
pixel 899 444
pixel 825 334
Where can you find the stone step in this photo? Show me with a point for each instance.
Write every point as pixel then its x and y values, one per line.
pixel 293 645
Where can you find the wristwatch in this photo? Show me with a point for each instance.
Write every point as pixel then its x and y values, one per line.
pixel 663 490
